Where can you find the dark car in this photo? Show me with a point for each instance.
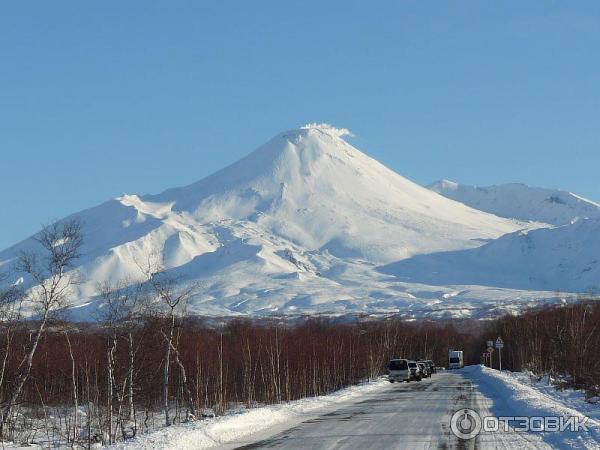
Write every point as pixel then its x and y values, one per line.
pixel 431 366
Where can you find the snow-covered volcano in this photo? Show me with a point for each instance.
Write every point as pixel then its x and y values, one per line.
pixel 314 189
pixel 299 225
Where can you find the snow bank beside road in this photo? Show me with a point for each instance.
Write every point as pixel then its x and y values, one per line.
pixel 221 430
pixel 515 394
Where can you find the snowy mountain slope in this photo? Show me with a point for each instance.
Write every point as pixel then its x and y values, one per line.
pixel 565 258
pixel 315 189
pixel 300 225
pixel 520 201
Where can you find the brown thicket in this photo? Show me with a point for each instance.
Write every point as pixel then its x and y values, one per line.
pixel 563 342
pixel 226 365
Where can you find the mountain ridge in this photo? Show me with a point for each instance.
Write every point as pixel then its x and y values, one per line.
pixel 563 258
pixel 520 201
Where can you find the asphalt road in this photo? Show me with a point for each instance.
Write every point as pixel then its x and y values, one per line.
pixel 412 415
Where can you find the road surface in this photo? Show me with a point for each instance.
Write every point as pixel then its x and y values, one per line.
pixel 412 415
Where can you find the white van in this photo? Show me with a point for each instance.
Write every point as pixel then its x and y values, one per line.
pixel 398 370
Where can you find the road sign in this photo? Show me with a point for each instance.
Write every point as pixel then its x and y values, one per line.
pixel 499 346
pixel 490 350
pixel 490 343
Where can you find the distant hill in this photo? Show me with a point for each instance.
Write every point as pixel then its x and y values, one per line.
pixel 522 202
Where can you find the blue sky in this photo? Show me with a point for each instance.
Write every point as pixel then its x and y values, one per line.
pixel 98 99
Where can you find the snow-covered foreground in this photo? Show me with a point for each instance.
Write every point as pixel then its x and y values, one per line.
pixel 400 415
pixel 516 394
pixel 240 424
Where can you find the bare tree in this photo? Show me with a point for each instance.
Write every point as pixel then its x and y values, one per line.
pixel 50 272
pixel 74 386
pixel 172 299
pixel 122 312
pixel 11 299
pixel 189 398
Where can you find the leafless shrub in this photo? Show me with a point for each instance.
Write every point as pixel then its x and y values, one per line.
pixel 562 342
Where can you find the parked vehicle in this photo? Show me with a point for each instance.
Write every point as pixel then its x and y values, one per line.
pixel 432 368
pixel 426 368
pixel 398 370
pixel 415 371
pixel 455 359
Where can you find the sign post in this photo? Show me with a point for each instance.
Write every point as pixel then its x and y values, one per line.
pixel 490 349
pixel 499 346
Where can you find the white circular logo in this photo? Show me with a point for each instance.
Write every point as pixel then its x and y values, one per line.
pixel 465 423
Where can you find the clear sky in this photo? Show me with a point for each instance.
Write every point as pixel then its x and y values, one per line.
pixel 101 98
